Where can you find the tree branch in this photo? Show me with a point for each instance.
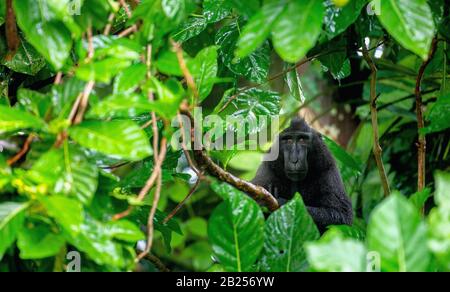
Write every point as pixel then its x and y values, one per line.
pixel 373 109
pixel 205 162
pixel 422 142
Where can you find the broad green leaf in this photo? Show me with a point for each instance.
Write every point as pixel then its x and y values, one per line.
pixel 236 232
pixel 295 85
pixel 259 27
pixel 296 30
pixel 410 22
pixel 204 69
pixel 120 105
pixel 420 198
pixel 167 63
pixel 125 230
pixel 34 102
pixel 286 231
pixel 2 12
pixel 66 172
pixel 95 239
pixel 48 27
pixel 128 80
pixel 197 226
pixel 67 212
pixel 345 231
pixel 252 104
pixel 438 115
pixel 248 7
pixel 442 195
pixel 102 71
pixel 255 67
pixel 119 139
pixel 398 234
pixel 12 217
pixel 338 19
pixel 336 254
pixel 439 236
pixel 27 60
pixel 5 172
pixel 38 242
pixel 168 100
pixel 216 10
pixel 350 166
pixel 191 28
pixel 13 119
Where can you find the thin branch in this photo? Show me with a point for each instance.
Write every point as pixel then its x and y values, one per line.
pixel 157 262
pixel 184 68
pixel 58 78
pixel 128 31
pixel 373 109
pixel 258 193
pixel 108 27
pixel 12 36
pixel 23 151
pixel 422 142
pixel 84 102
pixel 182 203
pixel 276 76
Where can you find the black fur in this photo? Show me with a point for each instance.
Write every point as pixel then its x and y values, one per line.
pixel 322 189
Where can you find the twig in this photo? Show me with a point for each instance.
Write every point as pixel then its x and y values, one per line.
pixel 157 262
pixel 185 150
pixel 84 102
pixel 58 78
pixel 182 203
pixel 276 76
pixel 12 37
pixel 184 68
pixel 422 142
pixel 23 151
pixel 108 27
pixel 373 109
pixel 128 31
pixel 204 161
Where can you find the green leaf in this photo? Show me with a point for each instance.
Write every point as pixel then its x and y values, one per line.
pixel 410 22
pixel 336 254
pixel 294 33
pixel 119 139
pixel 38 242
pixel 204 69
pixel 338 19
pixel 295 85
pixel 95 239
pixel 252 104
pixel 120 105
pixel 442 195
pixel 248 7
pixel 259 27
pixel 420 198
pixel 13 119
pixel 216 10
pixel 48 27
pixel 191 28
pixel 286 231
pixel 125 230
pixel 236 231
pixel 102 71
pixel 34 102
pixel 398 234
pixel 12 216
pixel 255 67
pixel 438 116
pixel 2 12
pixel 27 60
pixel 349 166
pixel 128 80
pixel 67 212
pixel 66 172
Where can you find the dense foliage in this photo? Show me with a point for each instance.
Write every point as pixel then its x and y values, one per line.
pixel 90 93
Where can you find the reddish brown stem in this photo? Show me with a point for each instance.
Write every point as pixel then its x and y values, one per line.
pixel 12 37
pixel 377 151
pixel 422 142
pixel 23 151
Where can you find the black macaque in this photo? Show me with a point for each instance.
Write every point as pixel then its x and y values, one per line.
pixel 306 166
